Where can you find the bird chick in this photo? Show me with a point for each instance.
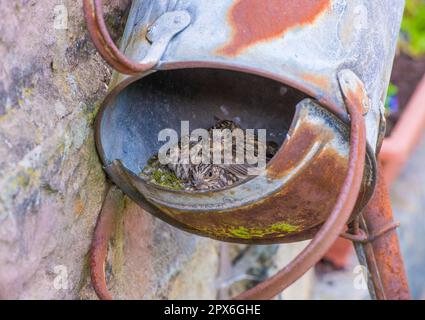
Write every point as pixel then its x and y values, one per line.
pixel 211 177
pixel 214 176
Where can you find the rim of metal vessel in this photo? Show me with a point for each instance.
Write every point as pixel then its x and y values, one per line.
pixel 324 99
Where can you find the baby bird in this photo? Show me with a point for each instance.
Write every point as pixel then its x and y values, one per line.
pixel 209 176
pixel 214 176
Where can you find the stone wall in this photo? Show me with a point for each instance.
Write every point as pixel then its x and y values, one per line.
pixel 51 182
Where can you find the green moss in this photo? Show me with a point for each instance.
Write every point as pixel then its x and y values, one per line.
pixel 278 230
pixel 166 179
pixel 284 227
pixel 241 232
pixel 91 114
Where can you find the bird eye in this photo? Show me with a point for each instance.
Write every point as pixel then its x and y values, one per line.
pixel 210 174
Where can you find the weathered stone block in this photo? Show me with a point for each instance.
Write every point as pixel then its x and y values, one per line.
pixel 51 181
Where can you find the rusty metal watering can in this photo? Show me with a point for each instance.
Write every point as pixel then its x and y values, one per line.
pixel 314 73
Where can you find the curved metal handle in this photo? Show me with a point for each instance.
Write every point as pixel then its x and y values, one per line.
pixel 102 234
pixel 160 34
pixel 354 95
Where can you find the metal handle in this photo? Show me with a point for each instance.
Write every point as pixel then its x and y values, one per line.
pixel 102 234
pixel 160 34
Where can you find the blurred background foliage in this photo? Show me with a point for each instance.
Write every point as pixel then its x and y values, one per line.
pixel 412 38
pixel 411 43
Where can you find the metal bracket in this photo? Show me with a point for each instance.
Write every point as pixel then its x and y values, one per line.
pixel 162 31
pixel 353 88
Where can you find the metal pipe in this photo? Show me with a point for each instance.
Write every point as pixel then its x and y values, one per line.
pixel 385 248
pixel 102 234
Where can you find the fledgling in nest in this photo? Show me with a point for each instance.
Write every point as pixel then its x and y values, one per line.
pixel 209 176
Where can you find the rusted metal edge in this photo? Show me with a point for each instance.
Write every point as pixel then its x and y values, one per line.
pixel 102 234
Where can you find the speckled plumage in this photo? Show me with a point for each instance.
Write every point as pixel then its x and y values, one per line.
pixel 209 176
pixel 213 176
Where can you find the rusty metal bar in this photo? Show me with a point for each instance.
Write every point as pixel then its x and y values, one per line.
pixel 170 24
pixel 384 250
pixel 103 42
pixel 102 234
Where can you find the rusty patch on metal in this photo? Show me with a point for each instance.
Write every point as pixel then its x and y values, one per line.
pixel 386 249
pixel 304 203
pixel 254 21
pixel 295 150
pixel 319 81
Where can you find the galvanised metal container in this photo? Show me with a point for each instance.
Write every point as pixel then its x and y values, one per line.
pixel 258 61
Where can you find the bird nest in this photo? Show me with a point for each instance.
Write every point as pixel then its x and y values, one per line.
pixel 201 176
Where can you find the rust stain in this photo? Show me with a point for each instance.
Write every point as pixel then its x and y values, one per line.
pixel 78 207
pixel 386 248
pixel 319 81
pixel 254 21
pixel 305 202
pixel 299 145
